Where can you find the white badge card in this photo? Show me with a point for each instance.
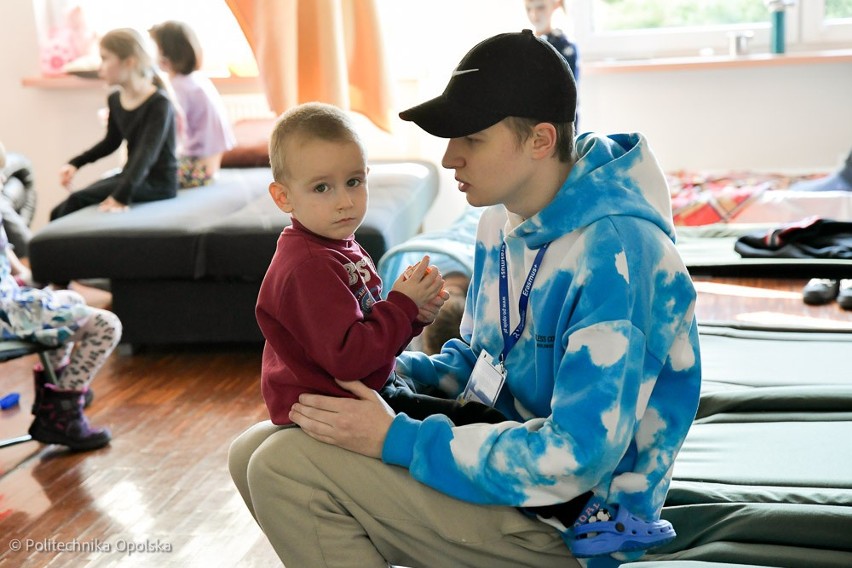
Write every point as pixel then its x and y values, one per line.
pixel 485 381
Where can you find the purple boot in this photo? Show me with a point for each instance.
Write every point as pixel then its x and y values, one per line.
pixel 40 379
pixel 59 419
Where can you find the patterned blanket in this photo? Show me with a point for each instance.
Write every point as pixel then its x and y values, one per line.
pixel 703 199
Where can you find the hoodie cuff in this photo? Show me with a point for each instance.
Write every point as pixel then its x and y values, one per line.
pixel 398 448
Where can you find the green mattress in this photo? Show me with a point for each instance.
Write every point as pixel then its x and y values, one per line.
pixel 764 477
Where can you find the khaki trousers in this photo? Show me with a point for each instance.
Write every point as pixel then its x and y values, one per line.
pixel 323 506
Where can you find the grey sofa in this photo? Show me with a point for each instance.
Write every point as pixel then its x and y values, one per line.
pixel 187 270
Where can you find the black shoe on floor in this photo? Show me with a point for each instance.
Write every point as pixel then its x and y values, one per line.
pixel 819 291
pixel 844 294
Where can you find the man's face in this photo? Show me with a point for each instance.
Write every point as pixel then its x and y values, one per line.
pixel 491 167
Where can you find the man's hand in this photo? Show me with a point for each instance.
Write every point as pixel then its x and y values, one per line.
pixel 356 424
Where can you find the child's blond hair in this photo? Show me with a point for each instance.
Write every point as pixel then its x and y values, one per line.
pixel 308 120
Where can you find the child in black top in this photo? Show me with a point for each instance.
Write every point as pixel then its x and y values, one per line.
pixel 141 114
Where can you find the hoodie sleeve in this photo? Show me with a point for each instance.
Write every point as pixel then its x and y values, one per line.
pixel 448 370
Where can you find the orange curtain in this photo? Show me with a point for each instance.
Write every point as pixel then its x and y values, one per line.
pixel 319 50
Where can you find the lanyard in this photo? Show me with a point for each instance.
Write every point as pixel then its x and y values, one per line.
pixel 511 338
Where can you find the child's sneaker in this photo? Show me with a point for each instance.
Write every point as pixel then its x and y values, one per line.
pixel 605 529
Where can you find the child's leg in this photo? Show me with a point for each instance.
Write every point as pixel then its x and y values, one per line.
pixel 93 343
pixel 59 357
pixel 81 198
pixel 192 172
pixel 58 411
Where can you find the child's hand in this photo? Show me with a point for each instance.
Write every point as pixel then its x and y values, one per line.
pixel 422 284
pixel 430 310
pixel 66 175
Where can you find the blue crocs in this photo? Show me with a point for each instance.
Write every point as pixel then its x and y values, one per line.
pixel 597 534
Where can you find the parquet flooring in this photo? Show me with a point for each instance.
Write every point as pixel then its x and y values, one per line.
pixel 160 493
pixel 162 486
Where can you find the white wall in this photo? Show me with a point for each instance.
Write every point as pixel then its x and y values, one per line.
pixel 790 117
pixel 786 117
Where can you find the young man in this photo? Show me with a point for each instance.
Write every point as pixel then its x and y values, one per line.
pixel 579 326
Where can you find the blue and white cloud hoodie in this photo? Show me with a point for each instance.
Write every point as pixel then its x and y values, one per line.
pixel 604 382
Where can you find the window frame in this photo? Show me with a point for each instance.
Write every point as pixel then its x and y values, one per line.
pixel 804 30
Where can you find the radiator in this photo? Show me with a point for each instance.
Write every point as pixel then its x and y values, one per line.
pixel 246 106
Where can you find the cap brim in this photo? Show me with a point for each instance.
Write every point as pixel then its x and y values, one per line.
pixel 445 119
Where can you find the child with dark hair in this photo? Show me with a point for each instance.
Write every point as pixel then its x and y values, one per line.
pixel 447 322
pixel 204 131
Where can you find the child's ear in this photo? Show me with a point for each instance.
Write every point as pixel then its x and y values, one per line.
pixel 130 62
pixel 280 194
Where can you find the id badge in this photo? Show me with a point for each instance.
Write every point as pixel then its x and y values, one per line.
pixel 485 381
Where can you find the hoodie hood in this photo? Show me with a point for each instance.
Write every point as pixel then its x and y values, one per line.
pixel 613 175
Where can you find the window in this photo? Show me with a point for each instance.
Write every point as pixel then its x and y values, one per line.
pixel 620 15
pixel 424 39
pixel 626 29
pixel 226 50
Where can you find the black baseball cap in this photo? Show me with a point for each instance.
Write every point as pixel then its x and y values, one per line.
pixel 510 74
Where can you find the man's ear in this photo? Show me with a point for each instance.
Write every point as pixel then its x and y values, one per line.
pixel 280 194
pixel 543 140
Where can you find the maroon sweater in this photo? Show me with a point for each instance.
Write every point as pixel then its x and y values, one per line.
pixel 320 312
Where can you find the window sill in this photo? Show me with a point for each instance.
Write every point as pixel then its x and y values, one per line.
pixel 74 82
pixel 717 62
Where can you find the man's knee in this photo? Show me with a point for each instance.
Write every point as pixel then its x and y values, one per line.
pixel 245 445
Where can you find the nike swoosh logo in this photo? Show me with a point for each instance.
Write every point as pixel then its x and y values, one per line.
pixel 458 72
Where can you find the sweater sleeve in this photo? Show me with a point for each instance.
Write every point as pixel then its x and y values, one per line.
pixel 329 324
pixel 109 144
pixel 149 136
pixel 448 370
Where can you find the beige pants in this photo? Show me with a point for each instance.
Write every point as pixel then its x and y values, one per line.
pixel 321 506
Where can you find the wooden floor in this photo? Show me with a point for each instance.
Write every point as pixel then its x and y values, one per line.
pixel 163 485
